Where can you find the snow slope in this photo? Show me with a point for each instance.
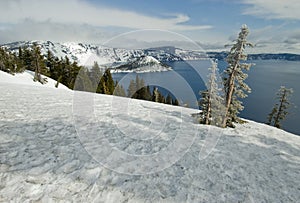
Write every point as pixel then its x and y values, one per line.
pixel 44 159
pixel 26 78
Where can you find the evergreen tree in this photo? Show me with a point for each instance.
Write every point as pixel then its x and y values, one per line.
pixel 162 99
pixel 109 82
pixel 50 62
pixel 272 114
pixel 156 95
pixel 131 89
pixel 27 58
pixel 20 61
pixel 57 71
pixel 234 78
pixel 102 88
pixel 83 82
pixel 106 85
pixel 119 90
pixel 279 112
pixel 211 102
pixel 95 75
pixel 38 64
pixel 175 102
pixel 168 99
pixel 7 61
pixel 74 70
pixel 141 89
pixel 148 95
pixel 205 106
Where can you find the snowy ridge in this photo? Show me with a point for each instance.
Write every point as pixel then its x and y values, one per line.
pixel 26 78
pixel 42 158
pixel 142 64
pixel 86 54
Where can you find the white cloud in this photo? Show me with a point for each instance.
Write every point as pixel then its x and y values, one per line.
pixel 57 32
pixel 81 12
pixel 275 39
pixel 273 9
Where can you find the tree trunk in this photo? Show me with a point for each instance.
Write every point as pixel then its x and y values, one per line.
pixel 208 110
pixel 229 95
pixel 37 75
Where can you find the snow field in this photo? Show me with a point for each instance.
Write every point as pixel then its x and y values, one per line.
pixel 42 157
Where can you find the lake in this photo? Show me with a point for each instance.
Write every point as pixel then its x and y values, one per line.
pixel 265 78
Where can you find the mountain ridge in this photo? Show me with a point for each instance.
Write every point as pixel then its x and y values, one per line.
pixel 87 54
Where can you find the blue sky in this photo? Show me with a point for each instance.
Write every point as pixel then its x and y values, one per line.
pixel 274 24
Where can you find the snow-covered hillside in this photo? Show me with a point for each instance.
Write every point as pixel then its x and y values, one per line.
pixel 43 158
pixel 26 78
pixel 86 54
pixel 142 64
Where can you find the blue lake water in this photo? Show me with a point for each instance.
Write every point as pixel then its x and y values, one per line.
pixel 265 78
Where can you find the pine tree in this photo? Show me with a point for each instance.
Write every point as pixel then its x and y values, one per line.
pixel 131 89
pixel 50 63
pixel 109 82
pixel 272 114
pixel 175 102
pixel 38 64
pixel 162 99
pixel 279 111
pixel 119 90
pixel 27 58
pixel 168 99
pixel 211 102
pixel 156 95
pixel 20 61
pixel 141 89
pixel 95 75
pixel 83 82
pixel 148 95
pixel 7 61
pixel 234 78
pixel 106 84
pixel 205 106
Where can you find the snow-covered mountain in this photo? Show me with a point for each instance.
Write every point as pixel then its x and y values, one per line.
pixel 142 64
pixel 43 157
pixel 86 54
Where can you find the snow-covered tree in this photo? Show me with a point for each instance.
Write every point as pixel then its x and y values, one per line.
pixel 234 77
pixel 279 111
pixel 211 102
pixel 38 64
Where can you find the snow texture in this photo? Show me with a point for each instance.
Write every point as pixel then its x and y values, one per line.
pixel 42 158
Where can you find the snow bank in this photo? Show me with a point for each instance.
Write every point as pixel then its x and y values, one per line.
pixel 26 78
pixel 43 159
